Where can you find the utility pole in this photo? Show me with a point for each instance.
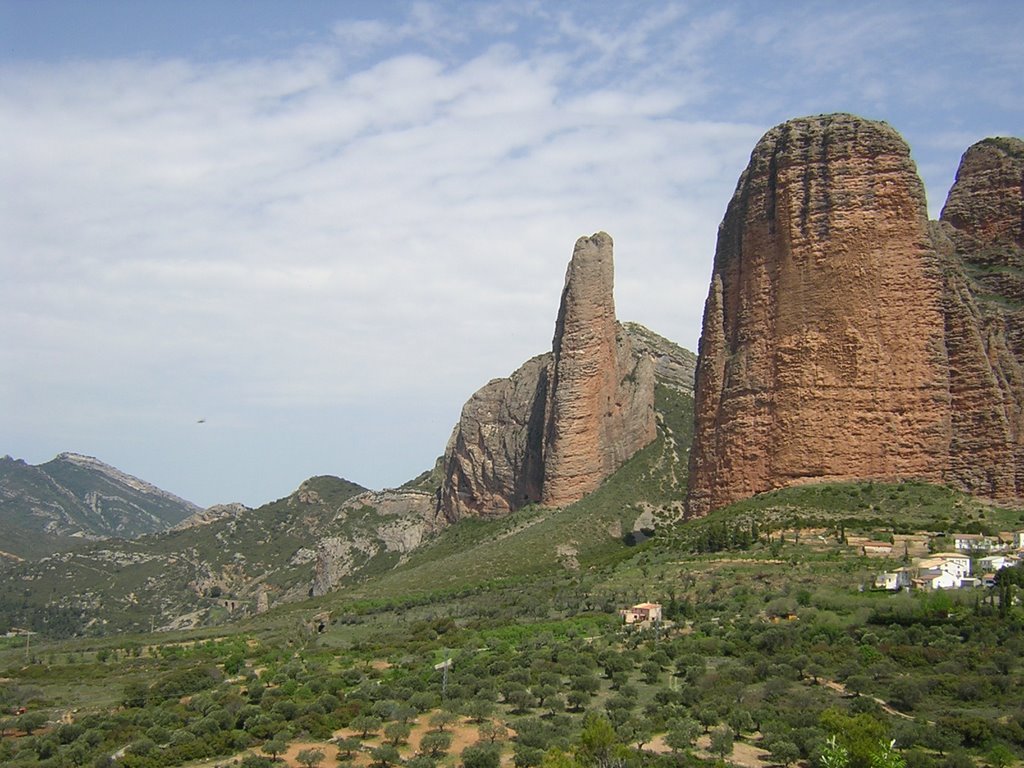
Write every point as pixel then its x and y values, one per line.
pixel 444 666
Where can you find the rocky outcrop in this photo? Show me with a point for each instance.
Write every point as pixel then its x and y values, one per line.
pixel 843 337
pixel 384 525
pixel 674 366
pixel 563 422
pixel 493 464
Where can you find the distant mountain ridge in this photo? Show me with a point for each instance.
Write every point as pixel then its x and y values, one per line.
pixel 46 507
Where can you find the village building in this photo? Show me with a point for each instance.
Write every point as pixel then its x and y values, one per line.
pixel 936 578
pixel 876 549
pixel 954 563
pixel 894 581
pixel 975 542
pixel 997 562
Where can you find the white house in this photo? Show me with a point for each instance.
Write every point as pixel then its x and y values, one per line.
pixel 996 562
pixel 953 563
pixel 974 542
pixel 934 578
pixel 893 581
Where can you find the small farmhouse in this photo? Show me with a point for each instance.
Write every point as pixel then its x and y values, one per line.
pixel 641 612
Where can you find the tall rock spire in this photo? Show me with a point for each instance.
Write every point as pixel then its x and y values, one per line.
pixel 566 420
pixel 600 407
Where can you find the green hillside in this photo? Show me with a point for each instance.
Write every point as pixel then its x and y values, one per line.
pixel 773 643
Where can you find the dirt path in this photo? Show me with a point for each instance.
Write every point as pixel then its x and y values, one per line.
pixel 837 686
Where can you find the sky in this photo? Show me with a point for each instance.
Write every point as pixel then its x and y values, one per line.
pixel 247 242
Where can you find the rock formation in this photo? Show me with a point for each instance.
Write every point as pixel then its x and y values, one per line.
pixel 376 524
pixel 600 404
pixel 566 420
pixel 980 238
pixel 843 337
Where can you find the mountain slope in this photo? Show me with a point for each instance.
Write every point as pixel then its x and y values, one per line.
pixel 234 566
pixel 74 496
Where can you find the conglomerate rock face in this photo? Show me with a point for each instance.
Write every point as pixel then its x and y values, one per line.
pixel 843 333
pixel 566 420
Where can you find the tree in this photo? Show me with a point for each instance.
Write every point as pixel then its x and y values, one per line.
pixel 740 720
pixel 348 747
pixel 478 710
pixel 31 721
pixel 682 733
pixel 859 734
pixel 435 743
pixel 397 732
pixel 999 756
pixel 385 755
pixel 521 700
pixel 442 719
pixel 364 725
pixel 598 744
pixel 651 671
pixel 636 731
pixel 707 717
pixel 887 757
pixel 310 758
pixel 274 747
pixel 556 758
pixel 784 752
pixel 577 700
pixel 525 756
pixel 481 756
pixel 491 731
pixel 721 741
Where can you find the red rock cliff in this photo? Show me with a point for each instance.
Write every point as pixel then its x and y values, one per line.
pixel 981 239
pixel 846 337
pixel 822 355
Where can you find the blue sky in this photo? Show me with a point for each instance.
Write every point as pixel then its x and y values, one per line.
pixel 321 226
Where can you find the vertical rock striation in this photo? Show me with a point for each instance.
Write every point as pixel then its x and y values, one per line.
pixel 844 335
pixel 566 420
pixel 980 237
